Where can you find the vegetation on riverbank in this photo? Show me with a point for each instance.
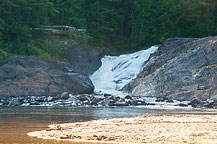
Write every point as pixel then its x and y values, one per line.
pixel 124 24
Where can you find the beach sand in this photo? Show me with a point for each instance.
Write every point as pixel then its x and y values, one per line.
pixel 176 129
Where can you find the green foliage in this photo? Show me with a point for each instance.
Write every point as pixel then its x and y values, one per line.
pixel 1 36
pixel 123 24
pixel 69 13
pixel 16 38
pixel 47 48
pixel 81 37
pixel 3 56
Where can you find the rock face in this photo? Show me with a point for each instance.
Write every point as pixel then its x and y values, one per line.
pixel 182 69
pixel 28 76
pixel 86 59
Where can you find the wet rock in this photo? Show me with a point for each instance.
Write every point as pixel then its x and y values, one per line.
pixel 14 102
pixel 106 94
pixel 209 103
pixel 116 99
pixel 131 102
pixel 121 104
pixel 50 98
pixel 100 97
pixel 82 97
pixel 106 102
pixel 64 95
pixel 195 103
pixel 150 104
pixel 40 99
pixel 111 98
pixel 161 99
pixel 183 105
pixel 128 97
pixel 169 101
pixel 95 101
pixel 87 102
pixel 34 103
pixel 140 102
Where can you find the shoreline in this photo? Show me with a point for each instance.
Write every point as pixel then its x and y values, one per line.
pixel 173 129
pixel 83 141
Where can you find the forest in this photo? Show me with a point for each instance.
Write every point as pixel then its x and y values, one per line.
pixel 122 24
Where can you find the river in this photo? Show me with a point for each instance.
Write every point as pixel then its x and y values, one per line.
pixel 15 122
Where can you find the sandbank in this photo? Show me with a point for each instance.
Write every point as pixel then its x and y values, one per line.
pixel 176 129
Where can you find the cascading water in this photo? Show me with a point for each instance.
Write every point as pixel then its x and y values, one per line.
pixel 117 71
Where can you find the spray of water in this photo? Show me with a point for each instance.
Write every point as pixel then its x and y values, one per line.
pixel 117 71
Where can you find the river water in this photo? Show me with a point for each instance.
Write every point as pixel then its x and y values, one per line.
pixel 15 122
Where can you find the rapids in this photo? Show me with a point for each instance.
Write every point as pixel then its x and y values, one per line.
pixel 117 71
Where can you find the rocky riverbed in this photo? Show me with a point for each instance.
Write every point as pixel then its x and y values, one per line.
pixel 66 99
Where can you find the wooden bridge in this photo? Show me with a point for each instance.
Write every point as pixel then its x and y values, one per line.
pixel 59 30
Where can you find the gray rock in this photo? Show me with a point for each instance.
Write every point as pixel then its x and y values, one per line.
pixel 14 102
pixel 121 104
pixel 128 97
pixel 64 95
pixel 182 69
pixel 95 101
pixel 106 95
pixel 82 97
pixel 50 99
pixel 86 59
pixel 140 102
pixel 132 102
pixel 169 101
pixel 182 105
pixel 29 76
pixel 40 99
pixel 161 99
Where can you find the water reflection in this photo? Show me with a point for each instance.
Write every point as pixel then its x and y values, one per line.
pixel 15 122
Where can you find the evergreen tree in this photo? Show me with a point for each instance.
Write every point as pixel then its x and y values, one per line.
pixel 123 24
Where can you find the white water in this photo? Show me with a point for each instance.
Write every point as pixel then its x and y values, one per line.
pixel 117 71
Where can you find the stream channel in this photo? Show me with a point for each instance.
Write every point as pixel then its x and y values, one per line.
pixel 15 122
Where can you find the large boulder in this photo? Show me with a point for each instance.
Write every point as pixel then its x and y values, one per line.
pixel 27 76
pixel 183 69
pixel 86 59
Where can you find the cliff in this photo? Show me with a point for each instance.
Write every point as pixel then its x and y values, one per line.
pixel 182 69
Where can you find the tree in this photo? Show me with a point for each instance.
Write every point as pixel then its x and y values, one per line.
pixel 69 13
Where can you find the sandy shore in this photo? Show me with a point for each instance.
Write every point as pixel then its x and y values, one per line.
pixel 178 129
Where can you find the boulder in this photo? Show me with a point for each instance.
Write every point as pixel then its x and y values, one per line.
pixel 29 76
pixel 118 103
pixel 84 59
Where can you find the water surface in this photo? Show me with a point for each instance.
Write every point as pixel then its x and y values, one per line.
pixel 15 122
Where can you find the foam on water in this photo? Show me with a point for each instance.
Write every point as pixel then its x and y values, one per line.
pixel 117 71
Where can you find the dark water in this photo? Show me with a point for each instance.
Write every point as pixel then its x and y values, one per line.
pixel 15 122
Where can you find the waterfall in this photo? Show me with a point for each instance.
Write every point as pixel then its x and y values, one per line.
pixel 117 71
